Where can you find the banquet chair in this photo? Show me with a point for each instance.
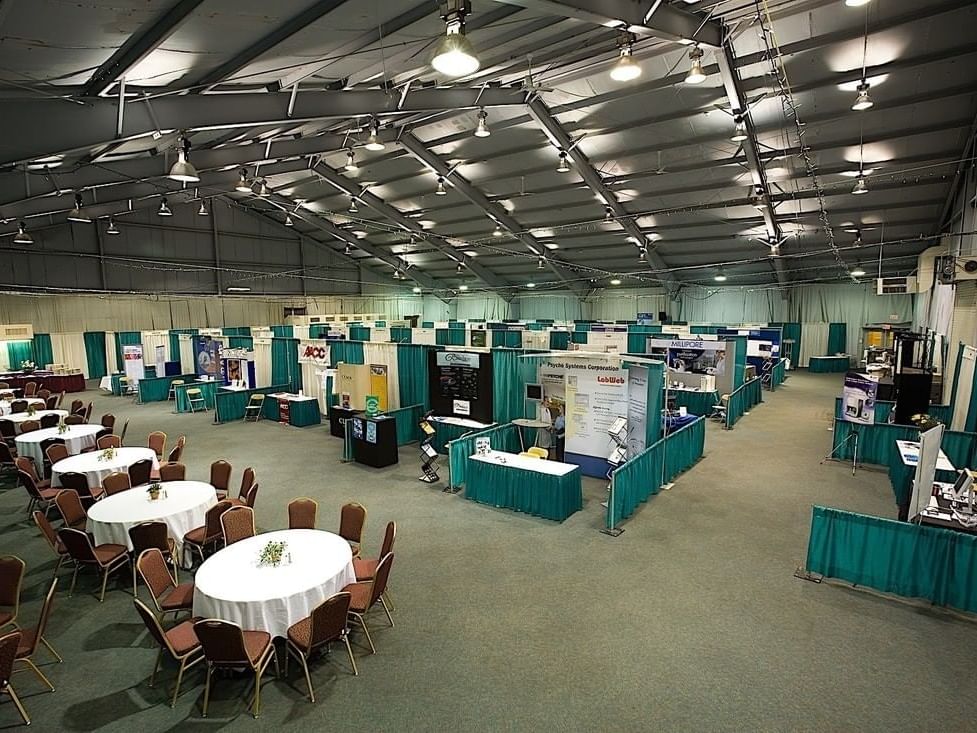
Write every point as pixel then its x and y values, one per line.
pixel 70 508
pixel 139 472
pixel 108 441
pixel 4 385
pixel 122 435
pixel 7 459
pixel 352 517
pixel 8 650
pixel 50 421
pixel 237 524
pixel 51 402
pixel 180 642
pixel 31 637
pixel 107 558
pixel 12 570
pixel 108 421
pixel 247 485
pixel 366 593
pixel 328 622
pixel 40 498
pixel 169 594
pixel 227 645
pixel 26 464
pixel 195 399
pixel 88 412
pixel 54 450
pixel 43 394
pixel 18 406
pixel 30 389
pixel 76 405
pixel 220 477
pixel 116 483
pixel 366 568
pixel 253 411
pixel 61 398
pixel 7 430
pixel 172 472
pixel 209 535
pixel 29 426
pixel 51 537
pixel 74 419
pixel 177 453
pixel 302 513
pixel 79 482
pixel 157 442
pixel 154 536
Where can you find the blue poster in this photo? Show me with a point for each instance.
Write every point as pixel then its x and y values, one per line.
pixel 371 432
pixel 207 355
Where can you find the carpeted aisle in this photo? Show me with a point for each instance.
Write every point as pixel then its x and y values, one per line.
pixel 691 620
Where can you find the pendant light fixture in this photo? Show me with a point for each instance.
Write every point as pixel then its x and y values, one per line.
pixel 416 290
pixel 564 166
pixel 856 3
pixel 463 287
pixel 263 189
pixel 459 269
pixel 625 69
pixel 288 220
pixel 454 54
pixel 497 232
pixel 861 186
pixel 352 205
pixel 112 229
pixel 23 236
pixel 481 128
pixel 720 276
pixel 202 211
pixel 440 190
pixel 164 208
pixel 616 281
pixel 243 186
pixel 859 271
pixel 696 74
pixel 541 263
pixel 351 165
pixel 608 213
pixel 863 101
pixel 739 132
pixel 642 252
pixel 183 170
pixel 78 213
pixel 348 249
pixel 374 142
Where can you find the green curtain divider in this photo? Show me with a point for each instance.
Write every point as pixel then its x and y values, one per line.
pixel 642 477
pixel 236 331
pixel 401 335
pixel 18 352
pixel 579 337
pixel 318 331
pixel 450 337
pixel 696 403
pixel 778 374
pixel 655 402
pixel 125 338
pixel 359 333
pixel 240 342
pixel 157 389
pixel 906 559
pixel 837 338
pixel 208 390
pixel 282 331
pixel 884 408
pixel 285 363
pixel 444 433
pixel 43 352
pixel 704 329
pixel 637 343
pixel 229 405
pixel 95 354
pixel 408 419
pixel 742 400
pixel 174 338
pixel 559 340
pixel 510 373
pixel 501 437
pixel 427 324
pixel 349 352
pixel 412 375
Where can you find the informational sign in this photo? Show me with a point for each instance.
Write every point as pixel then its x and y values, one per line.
pixel 378 384
pixel 461 407
pixel 371 432
pixel 134 368
pixel 929 453
pixel 208 357
pixel 314 352
pixel 372 405
pixel 615 341
pixel 646 319
pixel 379 334
pixel 478 338
pixel 858 398
pixel 160 361
pixel 458 374
pixel 691 355
pixel 424 336
pixel 539 340
pixel 637 409
pixel 460 384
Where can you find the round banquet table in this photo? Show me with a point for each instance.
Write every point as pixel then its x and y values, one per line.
pixel 76 439
pixel 96 470
pixel 5 404
pixel 182 507
pixel 22 417
pixel 231 585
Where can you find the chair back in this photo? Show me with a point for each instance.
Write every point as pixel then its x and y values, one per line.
pixel 256 400
pixel 8 653
pixel 389 535
pixel 28 482
pixel 7 429
pixel 74 419
pixel 223 642
pixel 51 402
pixel 538 451
pixel 30 389
pixel 55 449
pixel 302 513
pixel 153 626
pixel 247 481
pixel 108 421
pixel 11 578
pixel 109 441
pixel 157 442
pixel 77 482
pixel 47 531
pixel 88 411
pixel 153 571
pixel 147 535
pixel 43 394
pixel 237 524
pixel 252 495
pixel 69 505
pixel 220 475
pixel 122 437
pixel 49 421
pixel 116 483
pixel 352 517
pixel 76 405
pixel 29 426
pixel 172 472
pixel 42 620
pixel 18 406
pixel 380 579
pixel 6 457
pixel 139 472
pixel 61 397
pixel 177 453
pixel 212 520
pixel 79 545
pixel 26 465
pixel 329 619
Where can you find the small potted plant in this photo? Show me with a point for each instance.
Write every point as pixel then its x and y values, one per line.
pixel 107 455
pixel 62 427
pixel 154 490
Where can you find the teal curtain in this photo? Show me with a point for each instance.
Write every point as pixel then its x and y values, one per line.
pixel 19 351
pixel 401 335
pixel 412 375
pixel 704 329
pixel 43 353
pixel 359 333
pixel 408 420
pixel 792 332
pixel 236 331
pixel 656 402
pixel 285 363
pixel 642 476
pixel 282 331
pixel 559 340
pixel 125 338
pixel 240 342
pixel 906 559
pixel 157 389
pixel 95 354
pixel 501 437
pixel 318 331
pixel 742 400
pixel 510 373
pixel 737 344
pixel 579 337
pixel 637 343
pixel 346 352
pixel 837 338
pixel 450 336
pixel 779 374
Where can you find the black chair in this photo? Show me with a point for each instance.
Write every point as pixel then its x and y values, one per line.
pixel 45 444
pixel 79 482
pixel 139 472
pixel 51 402
pixel 49 421
pixel 18 406
pixel 8 432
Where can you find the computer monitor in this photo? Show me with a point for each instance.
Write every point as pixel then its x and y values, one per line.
pixel 962 486
pixel 534 392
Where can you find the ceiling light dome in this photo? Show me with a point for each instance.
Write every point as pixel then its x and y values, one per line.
pixel 183 169
pixel 112 229
pixel 454 54
pixel 202 211
pixel 863 101
pixel 481 129
pixel 859 271
pixel 720 276
pixel 242 182
pixel 696 73
pixel 440 190
pixel 625 69
pixel 861 186
pixel 739 132
pixel 351 165
pixel 164 208
pixel 23 236
pixel 564 166
pixel 856 3
pixel 288 220
pixel 374 142
pixel 78 213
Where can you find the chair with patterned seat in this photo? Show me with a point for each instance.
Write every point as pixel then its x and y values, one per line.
pixel 12 570
pixel 228 646
pixel 8 461
pixel 116 483
pixel 328 622
pixel 79 482
pixel 29 426
pixel 237 524
pixel 8 432
pixel 366 567
pixel 302 513
pixel 74 420
pixel 177 453
pixel 169 595
pixel 108 441
pixel 51 537
pixel 51 402
pixel 367 593
pixel 32 637
pixel 140 472
pixel 108 422
pixel 247 481
pixel 30 389
pixel 8 651
pixel 72 512
pixel 105 558
pixel 352 518
pixel 40 498
pixel 157 443
pixel 76 406
pixel 43 394
pixel 151 535
pixel 50 421
pixel 220 478
pixel 207 536
pixel 18 406
pixel 172 472
pixel 180 643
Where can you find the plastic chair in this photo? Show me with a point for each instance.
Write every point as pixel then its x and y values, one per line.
pixel 328 622
pixel 538 452
pixel 253 410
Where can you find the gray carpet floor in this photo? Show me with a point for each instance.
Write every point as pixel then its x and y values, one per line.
pixel 690 620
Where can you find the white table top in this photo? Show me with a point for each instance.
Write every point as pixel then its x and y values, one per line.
pixel 74 431
pixel 528 422
pixel 5 405
pixel 134 506
pixel 909 451
pixel 289 397
pixel 87 462
pixel 460 422
pixel 24 417
pixel 234 388
pixel 538 465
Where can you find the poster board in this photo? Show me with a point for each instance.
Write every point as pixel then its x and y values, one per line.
pixel 637 409
pixel 424 336
pixel 478 338
pixel 207 357
pixel 378 385
pixel 929 452
pixel 160 361
pixel 134 367
pixel 610 341
pixel 314 352
pixel 858 398
pixel 965 385
pixel 353 385
pixel 460 384
pixel 691 355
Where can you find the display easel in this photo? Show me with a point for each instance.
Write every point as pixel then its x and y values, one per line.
pixel 429 456
pixel 854 458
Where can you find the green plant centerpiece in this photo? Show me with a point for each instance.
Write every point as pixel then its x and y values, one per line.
pixel 273 554
pixel 62 427
pixel 107 455
pixel 154 490
pixel 31 410
pixel 27 367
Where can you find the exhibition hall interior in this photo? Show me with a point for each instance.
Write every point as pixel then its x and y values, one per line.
pixel 480 365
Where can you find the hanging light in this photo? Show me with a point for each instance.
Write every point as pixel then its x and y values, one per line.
pixel 263 189
pixel 720 276
pixel 642 252
pixel 440 190
pixel 463 287
pixel 859 271
pixel 481 128
pixel 497 232
pixel 23 236
pixel 608 213
pixel 398 274
pixel 242 182
pixel 858 238
pixel 459 269
pixel 856 3
pixel 374 142
pixel 696 74
pixel 530 285
pixel 183 169
pixel 739 132
pixel 861 186
pixel 351 161
pixel 541 263
pixel 112 229
pixel 78 214
pixel 863 101
pixel 348 249
pixel 202 211
pixel 352 205
pixel 416 289
pixel 756 199
pixel 624 69
pixel 164 208
pixel 564 166
pixel 616 281
pixel 288 220
pixel 454 54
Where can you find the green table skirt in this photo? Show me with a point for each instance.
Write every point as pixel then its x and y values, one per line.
pixel 829 364
pixel 117 384
pixel 301 414
pixel 444 433
pixel 157 389
pixel 208 389
pixel 539 494
pixel 695 403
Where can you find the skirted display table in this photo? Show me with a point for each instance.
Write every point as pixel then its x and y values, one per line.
pixel 829 364
pixel 543 488
pixel 447 429
pixel 207 389
pixel 297 410
pixel 671 423
pixel 46 380
pixel 694 401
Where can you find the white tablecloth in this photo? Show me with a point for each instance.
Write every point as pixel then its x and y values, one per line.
pixel 554 468
pixel 184 507
pixel 290 397
pixel 5 404
pixel 76 439
pixel 22 417
pixel 231 585
pixel 105 383
pixel 96 470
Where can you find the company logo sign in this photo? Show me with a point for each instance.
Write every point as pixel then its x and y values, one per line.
pixel 457 358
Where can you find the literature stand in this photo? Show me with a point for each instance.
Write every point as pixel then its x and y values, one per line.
pixel 429 456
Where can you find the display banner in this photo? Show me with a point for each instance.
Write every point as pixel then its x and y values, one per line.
pixel 160 361
pixel 378 385
pixel 615 341
pixel 380 334
pixel 424 336
pixel 208 357
pixel 858 398
pixel 478 338
pixel 637 409
pixel 314 352
pixel 691 355
pixel 134 368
